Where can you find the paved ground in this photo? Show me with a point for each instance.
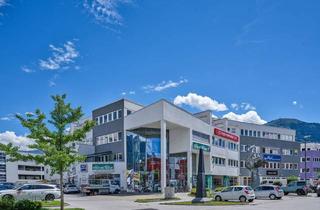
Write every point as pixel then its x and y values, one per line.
pixel 109 202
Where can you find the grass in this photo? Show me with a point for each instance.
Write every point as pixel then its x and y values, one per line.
pixel 208 203
pixel 55 203
pixel 150 200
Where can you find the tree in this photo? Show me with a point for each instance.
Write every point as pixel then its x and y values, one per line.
pixel 253 163
pixel 51 137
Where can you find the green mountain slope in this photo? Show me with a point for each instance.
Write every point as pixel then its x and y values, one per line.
pixel 303 129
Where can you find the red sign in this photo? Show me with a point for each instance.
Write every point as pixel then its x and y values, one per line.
pixel 226 135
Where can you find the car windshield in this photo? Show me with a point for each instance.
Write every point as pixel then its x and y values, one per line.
pixel 248 188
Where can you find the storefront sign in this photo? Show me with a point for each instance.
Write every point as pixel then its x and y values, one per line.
pixel 198 146
pixel 268 157
pixel 272 173
pixel 225 135
pixel 83 168
pixel 102 167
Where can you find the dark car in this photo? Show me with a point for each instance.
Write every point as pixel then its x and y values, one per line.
pixel 318 190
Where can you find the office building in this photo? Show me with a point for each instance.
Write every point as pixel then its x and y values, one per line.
pixel 275 145
pixel 312 168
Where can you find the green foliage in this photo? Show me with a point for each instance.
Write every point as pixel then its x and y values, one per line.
pixel 277 183
pixel 51 137
pixel 208 192
pixel 6 204
pixel 27 205
pixel 292 179
pixel 219 189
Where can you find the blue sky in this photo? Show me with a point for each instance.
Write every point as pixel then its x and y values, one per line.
pixel 257 59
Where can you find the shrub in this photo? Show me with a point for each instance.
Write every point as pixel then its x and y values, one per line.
pixel 292 179
pixel 208 191
pixel 27 205
pixel 6 204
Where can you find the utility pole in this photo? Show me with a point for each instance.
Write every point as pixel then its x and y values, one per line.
pixel 305 158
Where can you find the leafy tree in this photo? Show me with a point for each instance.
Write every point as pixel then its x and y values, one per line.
pixel 292 178
pixel 50 137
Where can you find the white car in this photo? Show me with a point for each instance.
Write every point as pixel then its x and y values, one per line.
pixel 241 193
pixel 268 191
pixel 32 192
pixel 70 188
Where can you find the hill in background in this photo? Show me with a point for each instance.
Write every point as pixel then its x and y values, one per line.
pixel 302 128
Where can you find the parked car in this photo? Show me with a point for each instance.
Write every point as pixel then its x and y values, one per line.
pixel 268 191
pixel 299 187
pixel 32 192
pixel 318 190
pixel 71 188
pixel 6 186
pixel 241 193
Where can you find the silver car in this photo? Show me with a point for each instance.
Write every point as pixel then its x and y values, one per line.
pixel 242 193
pixel 32 192
pixel 268 191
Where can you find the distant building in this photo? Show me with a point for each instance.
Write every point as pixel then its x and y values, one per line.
pixel 312 151
pixel 3 167
pixel 275 145
pixel 25 171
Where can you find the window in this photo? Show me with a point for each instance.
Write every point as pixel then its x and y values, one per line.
pixel 238 188
pixel 259 133
pixel 246 132
pixel 243 148
pixel 115 117
pixel 119 114
pixel 219 161
pixel 228 189
pixel 242 164
pixel 129 112
pixel 250 133
pixel 109 138
pixel 105 118
pixel 241 132
pixel 254 133
pixel 120 157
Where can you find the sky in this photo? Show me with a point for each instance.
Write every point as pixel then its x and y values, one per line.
pixel 249 60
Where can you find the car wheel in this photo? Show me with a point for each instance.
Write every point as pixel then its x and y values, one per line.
pixel 218 198
pixel 272 197
pixel 243 199
pixel 298 192
pixel 49 197
pixel 7 197
pixel 286 193
pixel 250 200
pixel 117 191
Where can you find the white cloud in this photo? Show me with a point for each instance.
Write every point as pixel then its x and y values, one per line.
pixel 8 117
pixel 132 92
pixel 61 57
pixel 249 117
pixel 164 85
pixel 244 106
pixel 105 11
pixel 11 137
pixel 294 103
pixel 26 69
pixel 200 102
pixel 3 3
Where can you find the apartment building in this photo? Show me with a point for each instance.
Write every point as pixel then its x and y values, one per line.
pixel 310 161
pixel 275 145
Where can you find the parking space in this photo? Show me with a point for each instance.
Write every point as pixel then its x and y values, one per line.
pixel 124 202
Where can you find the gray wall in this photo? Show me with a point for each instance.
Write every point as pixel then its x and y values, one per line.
pixel 261 142
pixel 110 127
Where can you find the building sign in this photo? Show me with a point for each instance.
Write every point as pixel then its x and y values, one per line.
pixel 102 166
pixel 269 157
pixel 83 168
pixel 225 135
pixel 272 173
pixel 198 146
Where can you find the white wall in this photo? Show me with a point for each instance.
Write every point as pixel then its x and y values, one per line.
pixel 13 172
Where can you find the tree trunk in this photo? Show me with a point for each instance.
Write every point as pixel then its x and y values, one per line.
pixel 61 191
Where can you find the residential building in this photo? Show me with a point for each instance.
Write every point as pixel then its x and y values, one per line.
pixel 275 145
pixel 312 168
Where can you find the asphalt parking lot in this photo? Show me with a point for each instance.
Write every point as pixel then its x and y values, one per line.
pixel 121 202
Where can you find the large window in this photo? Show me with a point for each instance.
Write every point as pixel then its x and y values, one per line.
pixel 109 138
pixel 109 117
pixel 219 161
pixel 144 159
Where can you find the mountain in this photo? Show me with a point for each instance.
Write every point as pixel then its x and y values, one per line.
pixel 302 128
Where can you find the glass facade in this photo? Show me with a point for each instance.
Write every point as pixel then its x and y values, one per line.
pixel 144 160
